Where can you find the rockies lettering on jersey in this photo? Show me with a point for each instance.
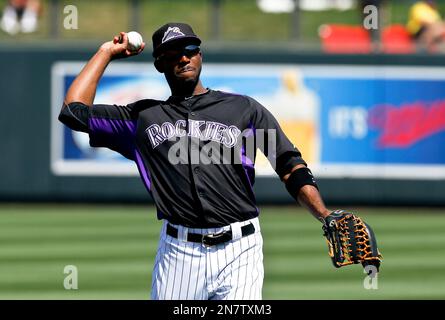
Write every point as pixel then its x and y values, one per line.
pixel 204 130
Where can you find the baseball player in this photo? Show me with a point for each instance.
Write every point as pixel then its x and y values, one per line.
pixel 210 244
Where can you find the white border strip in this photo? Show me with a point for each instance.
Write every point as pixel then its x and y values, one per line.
pixel 94 168
pixel 401 171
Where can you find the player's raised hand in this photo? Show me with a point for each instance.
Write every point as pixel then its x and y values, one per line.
pixel 119 47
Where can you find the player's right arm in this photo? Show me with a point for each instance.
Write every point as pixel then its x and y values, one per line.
pixel 83 88
pixel 80 95
pixel 108 126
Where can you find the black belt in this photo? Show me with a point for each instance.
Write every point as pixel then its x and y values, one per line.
pixel 211 239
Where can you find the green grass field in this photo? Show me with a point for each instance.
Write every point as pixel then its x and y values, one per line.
pixel 113 249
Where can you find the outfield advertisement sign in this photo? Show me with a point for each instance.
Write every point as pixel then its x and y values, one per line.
pixel 348 121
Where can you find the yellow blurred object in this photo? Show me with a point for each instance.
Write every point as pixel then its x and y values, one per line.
pixel 420 14
pixel 299 121
pixel 296 108
pixel 303 134
pixel 290 81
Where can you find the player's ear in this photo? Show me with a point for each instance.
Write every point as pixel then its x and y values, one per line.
pixel 158 66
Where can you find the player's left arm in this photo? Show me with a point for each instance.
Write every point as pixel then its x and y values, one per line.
pixel 349 238
pixel 290 166
pixel 305 190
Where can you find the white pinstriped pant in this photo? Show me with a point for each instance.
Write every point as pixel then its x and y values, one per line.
pixel 192 271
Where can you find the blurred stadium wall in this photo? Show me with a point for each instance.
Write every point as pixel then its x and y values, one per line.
pixel 375 133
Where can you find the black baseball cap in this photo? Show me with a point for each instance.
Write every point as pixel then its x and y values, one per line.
pixel 171 34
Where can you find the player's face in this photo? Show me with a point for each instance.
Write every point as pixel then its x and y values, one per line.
pixel 182 63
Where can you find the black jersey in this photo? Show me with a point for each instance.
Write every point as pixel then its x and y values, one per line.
pixel 192 153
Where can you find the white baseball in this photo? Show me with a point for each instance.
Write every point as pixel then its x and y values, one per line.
pixel 134 40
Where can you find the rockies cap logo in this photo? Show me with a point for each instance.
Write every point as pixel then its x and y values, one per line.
pixel 171 33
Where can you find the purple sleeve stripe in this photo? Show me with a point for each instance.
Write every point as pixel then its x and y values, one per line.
pixel 247 163
pixel 145 175
pixel 116 134
pixel 112 126
pixel 248 166
pixel 250 131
